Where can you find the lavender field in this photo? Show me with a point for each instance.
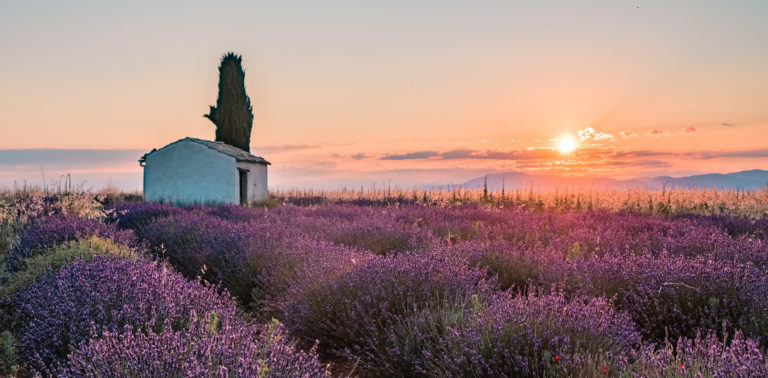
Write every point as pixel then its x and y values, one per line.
pixel 562 285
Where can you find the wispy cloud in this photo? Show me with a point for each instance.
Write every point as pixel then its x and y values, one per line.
pixel 360 156
pixel 640 154
pixel 751 153
pixel 459 154
pixel 694 155
pixel 519 154
pixel 412 155
pixel 668 133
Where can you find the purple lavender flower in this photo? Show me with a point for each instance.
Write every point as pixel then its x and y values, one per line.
pixel 54 230
pixel 202 350
pixel 134 215
pixel 521 336
pixel 66 308
pixel 703 356
pixel 351 312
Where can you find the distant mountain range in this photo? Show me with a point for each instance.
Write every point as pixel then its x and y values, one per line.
pixel 744 180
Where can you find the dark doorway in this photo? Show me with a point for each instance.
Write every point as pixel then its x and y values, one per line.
pixel 243 186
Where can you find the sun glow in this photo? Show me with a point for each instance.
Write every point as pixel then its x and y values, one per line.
pixel 566 145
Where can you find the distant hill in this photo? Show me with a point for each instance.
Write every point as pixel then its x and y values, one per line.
pixel 744 180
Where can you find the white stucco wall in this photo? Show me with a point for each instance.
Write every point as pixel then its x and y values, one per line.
pixel 189 173
pixel 257 181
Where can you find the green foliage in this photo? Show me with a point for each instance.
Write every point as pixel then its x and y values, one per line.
pixel 7 353
pixel 213 323
pixel 270 203
pixel 56 257
pixel 6 238
pixel 232 114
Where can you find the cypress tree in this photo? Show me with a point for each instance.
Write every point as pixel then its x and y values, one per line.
pixel 233 114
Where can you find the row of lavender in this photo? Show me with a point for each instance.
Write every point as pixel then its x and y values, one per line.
pixel 81 298
pixel 414 290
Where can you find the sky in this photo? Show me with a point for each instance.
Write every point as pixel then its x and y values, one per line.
pixel 353 93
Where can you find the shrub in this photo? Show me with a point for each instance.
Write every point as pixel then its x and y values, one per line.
pixel 191 241
pixel 8 361
pixel 64 309
pixel 53 258
pixel 232 254
pixel 203 350
pixel 370 229
pixel 304 200
pixel 255 262
pixel 703 357
pixel 231 213
pixel 671 297
pixel 350 313
pixel 733 225
pixel 21 208
pixel 533 336
pixel 380 238
pixel 406 338
pixel 6 238
pixel 59 229
pixel 514 265
pixel 135 215
pixel 29 207
pixel 315 268
pixel 296 263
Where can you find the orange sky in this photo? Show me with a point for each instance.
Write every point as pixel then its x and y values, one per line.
pixel 383 90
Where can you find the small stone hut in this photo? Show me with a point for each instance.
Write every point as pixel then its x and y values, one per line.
pixel 196 171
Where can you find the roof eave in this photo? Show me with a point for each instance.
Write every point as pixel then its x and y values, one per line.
pixel 262 161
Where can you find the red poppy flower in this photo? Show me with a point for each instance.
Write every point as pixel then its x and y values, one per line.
pixel 557 359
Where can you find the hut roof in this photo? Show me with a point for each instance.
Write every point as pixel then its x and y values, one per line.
pixel 220 147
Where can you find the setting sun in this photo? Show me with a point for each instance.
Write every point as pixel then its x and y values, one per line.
pixel 566 145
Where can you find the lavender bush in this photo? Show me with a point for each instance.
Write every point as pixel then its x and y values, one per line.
pixel 65 309
pixel 703 357
pixel 379 237
pixel 319 268
pixel 21 208
pixel 134 215
pixel 547 335
pixel 514 265
pixel 368 229
pixel 231 213
pixel 733 225
pixel 403 348
pixel 52 259
pixel 55 230
pixel 254 261
pixel 192 241
pixel 351 313
pixel 671 297
pixel 205 349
